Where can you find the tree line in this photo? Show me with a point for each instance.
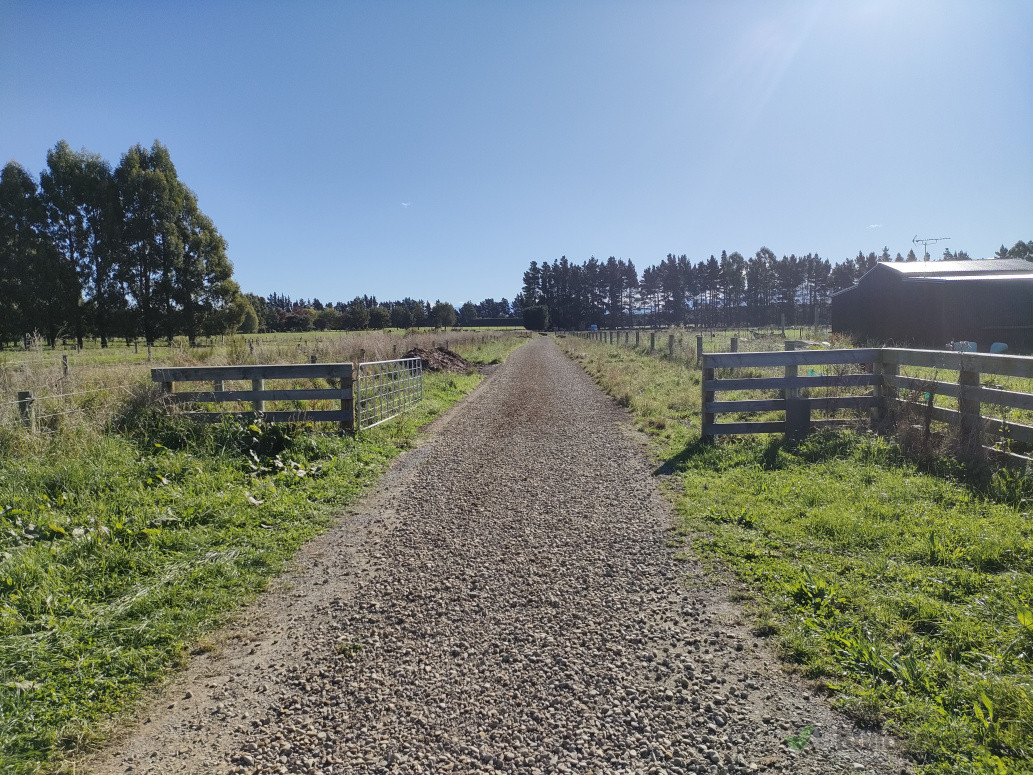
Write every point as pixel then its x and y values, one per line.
pixel 92 250
pixel 278 312
pixel 725 291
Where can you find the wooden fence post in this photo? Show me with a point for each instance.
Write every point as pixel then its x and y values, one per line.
pixel 969 406
pixel 25 409
pixel 258 404
pixel 64 366
pixel 735 344
pixel 636 339
pixel 708 396
pixel 699 348
pixel 798 411
pixel 791 373
pixel 652 342
pixel 885 410
pixel 348 403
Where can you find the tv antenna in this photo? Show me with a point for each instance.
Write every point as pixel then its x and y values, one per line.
pixel 925 243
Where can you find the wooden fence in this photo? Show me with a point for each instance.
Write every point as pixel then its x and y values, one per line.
pixel 887 393
pixel 345 380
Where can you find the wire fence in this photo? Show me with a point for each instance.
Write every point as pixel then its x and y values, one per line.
pixel 41 413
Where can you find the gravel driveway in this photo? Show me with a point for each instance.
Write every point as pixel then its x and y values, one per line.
pixel 511 600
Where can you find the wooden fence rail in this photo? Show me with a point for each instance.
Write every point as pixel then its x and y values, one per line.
pixel 891 393
pixel 344 392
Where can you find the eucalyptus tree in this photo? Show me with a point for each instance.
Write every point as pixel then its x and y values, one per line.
pixel 35 284
pixel 204 290
pixel 82 220
pixel 152 202
pixel 21 219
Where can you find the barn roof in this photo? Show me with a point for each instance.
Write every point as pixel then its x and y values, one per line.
pixel 987 266
pixel 970 271
pixel 1026 276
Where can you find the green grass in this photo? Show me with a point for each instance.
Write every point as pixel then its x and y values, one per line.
pixel 905 589
pixel 118 550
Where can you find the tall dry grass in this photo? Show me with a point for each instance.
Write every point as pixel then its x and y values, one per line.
pixel 98 384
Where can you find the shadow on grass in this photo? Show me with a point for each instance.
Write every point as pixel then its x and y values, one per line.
pixel 775 453
pixel 687 458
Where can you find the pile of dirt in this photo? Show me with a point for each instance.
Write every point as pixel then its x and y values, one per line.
pixel 440 359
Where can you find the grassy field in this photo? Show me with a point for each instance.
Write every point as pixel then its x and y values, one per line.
pixel 97 380
pixel 121 546
pixel 903 588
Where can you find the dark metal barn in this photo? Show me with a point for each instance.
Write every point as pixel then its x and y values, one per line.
pixel 931 303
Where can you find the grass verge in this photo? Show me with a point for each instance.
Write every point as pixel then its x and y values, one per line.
pixel 120 549
pixel 905 589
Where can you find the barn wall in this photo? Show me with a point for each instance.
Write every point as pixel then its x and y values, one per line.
pixel 888 308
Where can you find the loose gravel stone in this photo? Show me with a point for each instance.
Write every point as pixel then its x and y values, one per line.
pixel 508 602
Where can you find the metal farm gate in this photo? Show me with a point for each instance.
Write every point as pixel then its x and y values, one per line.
pixel 385 389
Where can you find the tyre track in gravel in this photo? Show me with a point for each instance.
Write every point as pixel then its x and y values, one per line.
pixel 508 601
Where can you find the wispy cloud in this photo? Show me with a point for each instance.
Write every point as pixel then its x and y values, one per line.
pixel 406 204
pixel 871 226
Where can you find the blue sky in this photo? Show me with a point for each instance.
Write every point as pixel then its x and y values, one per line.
pixel 435 149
